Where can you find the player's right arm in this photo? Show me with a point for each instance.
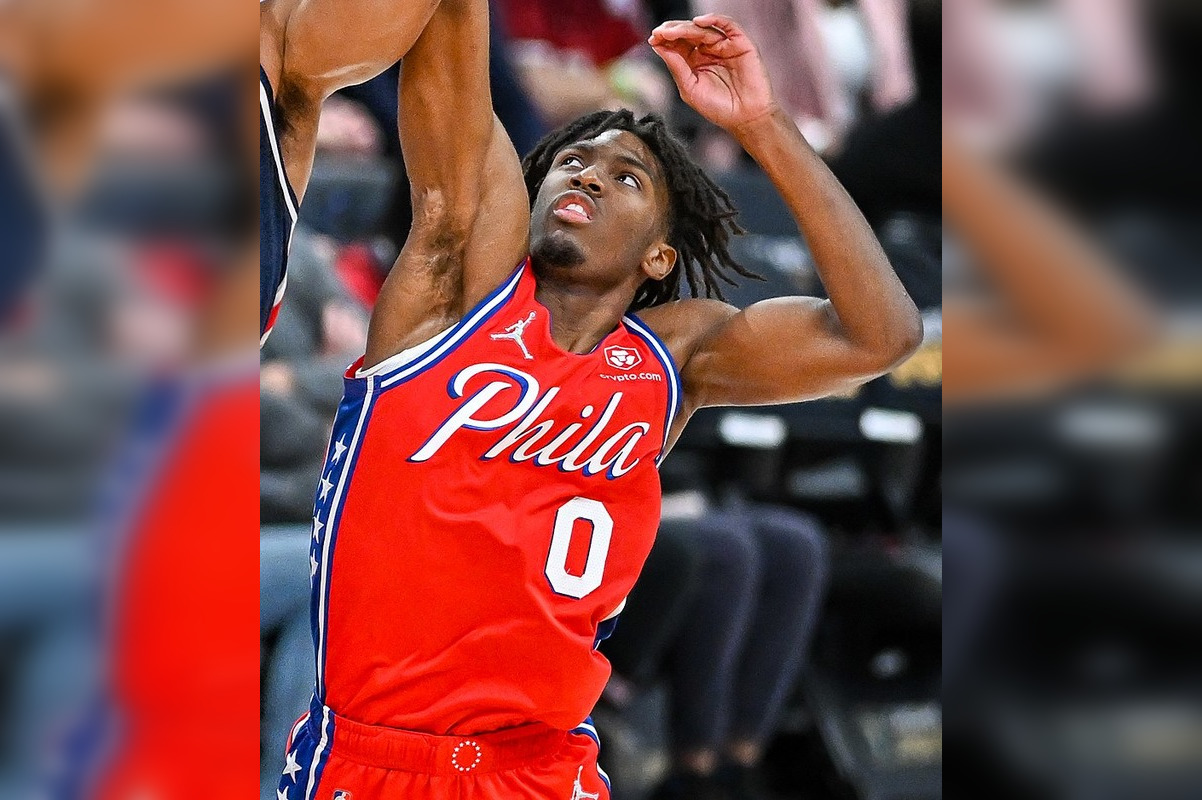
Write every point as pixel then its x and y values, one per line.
pixel 471 213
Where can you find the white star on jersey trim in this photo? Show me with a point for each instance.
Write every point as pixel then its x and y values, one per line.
pixel 326 486
pixel 281 794
pixel 291 768
pixel 312 566
pixel 339 449
pixel 317 526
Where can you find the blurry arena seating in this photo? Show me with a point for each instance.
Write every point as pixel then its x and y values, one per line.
pixel 348 199
pixel 45 648
pixel 287 662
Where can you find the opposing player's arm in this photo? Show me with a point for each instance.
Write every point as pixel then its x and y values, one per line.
pixel 790 348
pixel 471 214
pixel 311 48
pixel 326 45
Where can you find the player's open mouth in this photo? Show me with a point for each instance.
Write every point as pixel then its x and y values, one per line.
pixel 575 208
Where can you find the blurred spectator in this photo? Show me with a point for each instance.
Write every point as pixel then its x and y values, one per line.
pixel 735 648
pixel 347 130
pixel 890 166
pixel 318 333
pixel 583 55
pixel 828 59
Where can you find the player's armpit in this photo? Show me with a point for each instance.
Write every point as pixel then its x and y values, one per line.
pixel 781 351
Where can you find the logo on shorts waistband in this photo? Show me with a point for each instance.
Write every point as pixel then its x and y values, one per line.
pixel 340 794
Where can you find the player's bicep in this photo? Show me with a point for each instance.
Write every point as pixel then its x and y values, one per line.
pixel 418 299
pixel 776 351
pixel 448 264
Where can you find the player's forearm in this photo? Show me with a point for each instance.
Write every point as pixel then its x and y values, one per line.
pixel 874 312
pixel 446 121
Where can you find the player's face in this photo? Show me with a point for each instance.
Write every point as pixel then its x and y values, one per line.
pixel 601 208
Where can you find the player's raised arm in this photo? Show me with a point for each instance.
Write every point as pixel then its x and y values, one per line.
pixel 789 348
pixel 470 208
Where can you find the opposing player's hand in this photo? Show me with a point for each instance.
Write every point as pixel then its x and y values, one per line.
pixel 716 68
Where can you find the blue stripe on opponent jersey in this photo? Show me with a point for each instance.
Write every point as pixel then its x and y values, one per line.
pixel 25 218
pixel 278 212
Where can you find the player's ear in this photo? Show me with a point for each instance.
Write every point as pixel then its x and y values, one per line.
pixel 659 260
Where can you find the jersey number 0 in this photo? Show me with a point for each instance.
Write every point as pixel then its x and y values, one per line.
pixel 562 581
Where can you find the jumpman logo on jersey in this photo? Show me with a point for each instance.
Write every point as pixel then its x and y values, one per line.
pixel 514 332
pixel 578 792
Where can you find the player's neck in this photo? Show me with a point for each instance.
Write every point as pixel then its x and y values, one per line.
pixel 580 317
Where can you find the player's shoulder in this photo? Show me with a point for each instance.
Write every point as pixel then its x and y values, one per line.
pixel 682 325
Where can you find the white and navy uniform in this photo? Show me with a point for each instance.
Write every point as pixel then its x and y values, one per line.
pixel 277 213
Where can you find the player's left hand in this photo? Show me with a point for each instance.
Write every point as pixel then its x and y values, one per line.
pixel 716 68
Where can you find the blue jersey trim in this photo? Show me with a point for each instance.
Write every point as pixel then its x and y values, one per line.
pixel 454 336
pixel 675 396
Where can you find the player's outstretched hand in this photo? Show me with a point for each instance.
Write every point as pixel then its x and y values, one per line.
pixel 716 68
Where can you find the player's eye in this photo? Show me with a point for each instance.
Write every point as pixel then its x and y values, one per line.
pixel 630 180
pixel 569 161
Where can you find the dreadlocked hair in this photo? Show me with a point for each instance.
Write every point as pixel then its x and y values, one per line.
pixel 701 216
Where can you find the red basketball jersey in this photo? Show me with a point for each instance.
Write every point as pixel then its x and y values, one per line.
pixel 487 502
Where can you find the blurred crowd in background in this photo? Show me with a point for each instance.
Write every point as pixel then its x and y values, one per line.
pixel 790 635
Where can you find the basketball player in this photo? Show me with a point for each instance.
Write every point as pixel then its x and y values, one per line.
pixel 309 49
pixel 491 487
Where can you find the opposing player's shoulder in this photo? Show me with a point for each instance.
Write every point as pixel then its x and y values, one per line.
pixel 272 19
pixel 683 325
